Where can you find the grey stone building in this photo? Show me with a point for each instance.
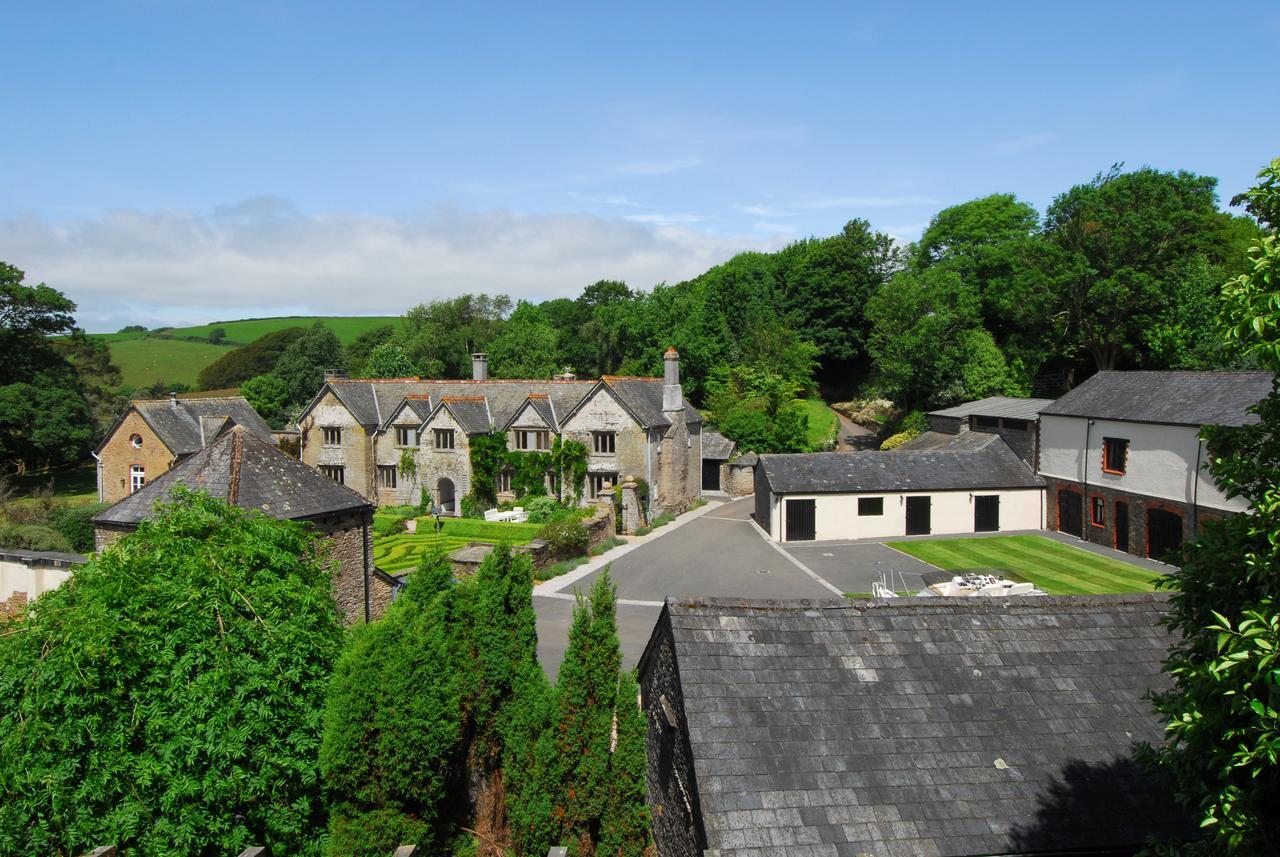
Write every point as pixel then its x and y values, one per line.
pixel 363 432
pixel 251 473
pixel 1017 420
pixel 946 727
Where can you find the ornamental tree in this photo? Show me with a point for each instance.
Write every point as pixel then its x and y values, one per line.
pixel 168 697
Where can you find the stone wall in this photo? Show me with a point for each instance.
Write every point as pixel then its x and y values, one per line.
pixel 602 412
pixel 672 789
pixel 1025 442
pixel 13 607
pixel 452 464
pixel 678 471
pixel 354 454
pixel 104 536
pixel 349 538
pixel 600 528
pixel 118 456
pixel 738 479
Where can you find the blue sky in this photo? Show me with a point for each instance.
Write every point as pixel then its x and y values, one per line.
pixel 172 162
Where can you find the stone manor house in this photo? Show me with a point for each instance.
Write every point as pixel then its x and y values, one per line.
pixel 357 432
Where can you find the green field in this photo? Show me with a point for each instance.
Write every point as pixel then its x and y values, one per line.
pixel 822 421
pixel 142 362
pixel 144 358
pixel 402 551
pixel 1054 567
pixel 76 484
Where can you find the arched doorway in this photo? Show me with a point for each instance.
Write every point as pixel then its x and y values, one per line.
pixel 445 498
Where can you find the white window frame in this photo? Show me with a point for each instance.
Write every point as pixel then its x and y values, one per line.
pixel 137 477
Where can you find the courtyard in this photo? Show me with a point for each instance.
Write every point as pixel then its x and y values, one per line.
pixel 717 552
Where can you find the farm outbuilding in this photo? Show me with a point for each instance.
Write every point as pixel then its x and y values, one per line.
pixel 974 484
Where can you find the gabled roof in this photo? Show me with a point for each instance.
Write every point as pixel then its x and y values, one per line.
pixel 1177 398
pixel 470 412
pixel 972 461
pixel 186 425
pixel 418 408
pixel 717 446
pixel 997 406
pixel 942 726
pixel 247 472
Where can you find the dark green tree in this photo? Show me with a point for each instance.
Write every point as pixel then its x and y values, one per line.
pixel 959 231
pixel 1223 712
pixel 269 396
pixel 302 365
pixel 526 347
pixel 388 360
pixel 359 350
pixel 195 691
pixel 257 358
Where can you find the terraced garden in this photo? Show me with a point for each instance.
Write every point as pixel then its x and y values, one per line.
pixel 1054 567
pixel 402 551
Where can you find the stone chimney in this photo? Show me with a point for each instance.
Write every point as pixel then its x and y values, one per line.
pixel 173 401
pixel 567 375
pixel 672 397
pixel 480 366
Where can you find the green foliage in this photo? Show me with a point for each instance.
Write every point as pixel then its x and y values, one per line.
pixel 961 231
pixel 1222 740
pixel 359 350
pixel 75 524
pixel 540 510
pixel 193 658
pixel 439 337
pixel 394 717
pixel 133 328
pixel 34 537
pixel 488 454
pixel 566 537
pixel 388 360
pixel 217 336
pixel 526 347
pixel 269 396
pixel 569 468
pixel 303 363
pixel 471 506
pixel 894 441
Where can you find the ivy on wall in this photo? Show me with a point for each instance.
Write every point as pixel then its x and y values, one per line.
pixel 566 463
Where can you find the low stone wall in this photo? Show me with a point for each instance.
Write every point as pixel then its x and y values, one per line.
pixel 738 477
pixel 13 607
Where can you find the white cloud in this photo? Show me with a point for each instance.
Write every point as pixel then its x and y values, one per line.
pixel 763 211
pixel 660 218
pixel 659 168
pixel 866 202
pixel 1022 144
pixel 623 201
pixel 263 257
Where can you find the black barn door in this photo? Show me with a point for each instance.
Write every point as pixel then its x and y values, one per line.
pixel 1070 514
pixel 1164 534
pixel 710 474
pixel 801 520
pixel 1122 526
pixel 919 516
pixel 986 514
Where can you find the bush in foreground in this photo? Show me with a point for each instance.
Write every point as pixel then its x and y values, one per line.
pixel 167 698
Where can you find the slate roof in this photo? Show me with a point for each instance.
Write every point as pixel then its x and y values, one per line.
pixel 973 461
pixel 997 406
pixel 912 726
pixel 186 425
pixel 717 446
pixel 471 412
pixel 373 402
pixel 1178 398
pixel 247 472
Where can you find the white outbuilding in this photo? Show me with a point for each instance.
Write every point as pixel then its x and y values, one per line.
pixel 976 483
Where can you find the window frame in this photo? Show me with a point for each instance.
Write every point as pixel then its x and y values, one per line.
pixel 439 434
pixel 334 473
pixel 382 471
pixel 1098 511
pixel 986 422
pixel 406 437
pixel 604 439
pixel 595 483
pixel 328 432
pixel 1109 466
pixel 137 477
pixel 502 481
pixel 135 440
pixel 868 501
pixel 522 440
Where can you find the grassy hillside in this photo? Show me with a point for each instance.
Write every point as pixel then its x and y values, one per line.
pixel 346 328
pixel 144 361
pixel 145 358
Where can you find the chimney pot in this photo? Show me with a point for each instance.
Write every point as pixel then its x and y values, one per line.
pixel 672 396
pixel 173 399
pixel 480 366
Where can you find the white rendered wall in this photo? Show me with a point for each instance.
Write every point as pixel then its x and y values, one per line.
pixel 1161 461
pixel 951 512
pixel 17 577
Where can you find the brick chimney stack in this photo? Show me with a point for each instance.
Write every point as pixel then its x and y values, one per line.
pixel 480 366
pixel 672 397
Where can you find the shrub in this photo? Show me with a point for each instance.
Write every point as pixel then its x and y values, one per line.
pixel 543 509
pixel 661 521
pixel 566 538
pixel 33 537
pixel 75 523
pixel 195 690
pixel 899 439
pixel 472 506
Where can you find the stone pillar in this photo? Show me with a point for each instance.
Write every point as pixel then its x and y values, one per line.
pixel 632 511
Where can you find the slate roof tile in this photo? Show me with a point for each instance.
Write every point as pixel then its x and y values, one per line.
pixel 947 727
pixel 1176 397
pixel 187 425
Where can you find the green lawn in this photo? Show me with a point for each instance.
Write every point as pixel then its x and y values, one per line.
pixel 77 484
pixel 346 328
pixel 822 421
pixel 1054 567
pixel 402 551
pixel 142 362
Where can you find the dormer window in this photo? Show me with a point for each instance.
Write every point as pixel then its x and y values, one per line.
pixel 406 436
pixel 135 440
pixel 530 439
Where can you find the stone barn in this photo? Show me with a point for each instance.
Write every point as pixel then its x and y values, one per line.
pixel 251 473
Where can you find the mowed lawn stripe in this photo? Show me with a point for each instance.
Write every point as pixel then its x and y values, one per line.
pixel 1054 567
